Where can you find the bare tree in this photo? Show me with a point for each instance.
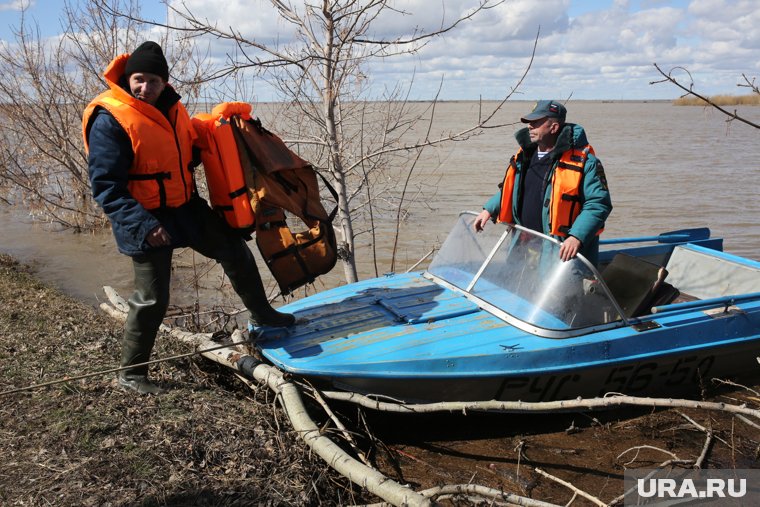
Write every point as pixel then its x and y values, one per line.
pixel 45 87
pixel 366 146
pixel 322 77
pixel 689 90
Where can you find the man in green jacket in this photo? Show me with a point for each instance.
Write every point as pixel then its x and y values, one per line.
pixel 554 184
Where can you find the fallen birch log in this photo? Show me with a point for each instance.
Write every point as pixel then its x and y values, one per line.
pixel 372 480
pixel 358 473
pixel 290 399
pixel 575 490
pixel 485 492
pixel 457 491
pixel 609 401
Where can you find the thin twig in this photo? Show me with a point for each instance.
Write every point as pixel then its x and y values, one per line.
pixel 705 449
pixel 699 426
pixel 338 424
pixel 572 488
pixel 747 421
pixel 639 448
pixel 382 403
pixel 100 373
pixel 734 384
pixel 690 91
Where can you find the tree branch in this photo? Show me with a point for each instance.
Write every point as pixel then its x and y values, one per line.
pixel 690 91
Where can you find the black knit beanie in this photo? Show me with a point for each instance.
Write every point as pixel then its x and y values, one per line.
pixel 148 57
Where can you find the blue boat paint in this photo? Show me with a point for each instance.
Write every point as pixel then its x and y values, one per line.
pixel 680 236
pixel 407 337
pixel 725 301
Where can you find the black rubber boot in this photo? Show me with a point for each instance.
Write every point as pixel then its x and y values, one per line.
pixel 140 384
pixel 147 307
pixel 214 239
pixel 245 279
pixel 273 318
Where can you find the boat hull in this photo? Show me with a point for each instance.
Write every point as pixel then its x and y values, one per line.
pixel 406 338
pixel 683 375
pixel 504 318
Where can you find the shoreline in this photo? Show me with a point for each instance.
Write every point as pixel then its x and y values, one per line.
pixel 87 442
pixel 209 441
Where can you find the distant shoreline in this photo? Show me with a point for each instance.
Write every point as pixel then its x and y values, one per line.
pixel 521 101
pixel 720 100
pixel 683 101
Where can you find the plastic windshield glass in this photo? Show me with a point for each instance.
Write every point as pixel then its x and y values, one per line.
pixel 520 273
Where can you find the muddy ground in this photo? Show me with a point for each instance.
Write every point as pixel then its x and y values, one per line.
pixel 213 441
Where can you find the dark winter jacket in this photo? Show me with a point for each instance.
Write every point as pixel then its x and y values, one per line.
pixel 110 158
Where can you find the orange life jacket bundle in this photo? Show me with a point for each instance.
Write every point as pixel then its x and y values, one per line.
pixel 253 179
pixel 224 174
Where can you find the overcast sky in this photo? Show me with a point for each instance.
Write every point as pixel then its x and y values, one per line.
pixel 590 49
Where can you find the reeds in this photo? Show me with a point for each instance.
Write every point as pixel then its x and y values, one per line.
pixel 720 100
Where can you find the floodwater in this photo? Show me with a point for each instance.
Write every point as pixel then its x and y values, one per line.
pixel 667 167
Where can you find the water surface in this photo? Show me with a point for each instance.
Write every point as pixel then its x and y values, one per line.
pixel 668 168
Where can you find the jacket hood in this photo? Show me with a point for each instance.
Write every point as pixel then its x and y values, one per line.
pixel 114 75
pixel 117 82
pixel 570 136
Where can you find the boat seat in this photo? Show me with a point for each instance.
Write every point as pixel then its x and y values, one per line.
pixel 705 273
pixel 636 284
pixel 667 294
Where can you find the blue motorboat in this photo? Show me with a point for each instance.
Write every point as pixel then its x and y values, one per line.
pixel 497 315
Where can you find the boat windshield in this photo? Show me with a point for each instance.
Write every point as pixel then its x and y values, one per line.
pixel 518 271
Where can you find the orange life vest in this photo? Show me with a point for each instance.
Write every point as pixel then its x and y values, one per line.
pixel 565 203
pixel 160 175
pixel 228 191
pixel 253 178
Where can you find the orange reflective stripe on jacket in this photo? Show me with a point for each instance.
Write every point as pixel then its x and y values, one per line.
pixel 228 190
pixel 160 175
pixel 565 203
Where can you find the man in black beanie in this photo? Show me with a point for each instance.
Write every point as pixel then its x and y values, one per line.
pixel 139 140
pixel 148 57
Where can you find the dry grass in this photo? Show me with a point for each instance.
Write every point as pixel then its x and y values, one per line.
pixel 211 442
pixel 720 100
pixel 207 442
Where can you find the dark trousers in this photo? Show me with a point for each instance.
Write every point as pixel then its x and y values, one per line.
pixel 210 237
